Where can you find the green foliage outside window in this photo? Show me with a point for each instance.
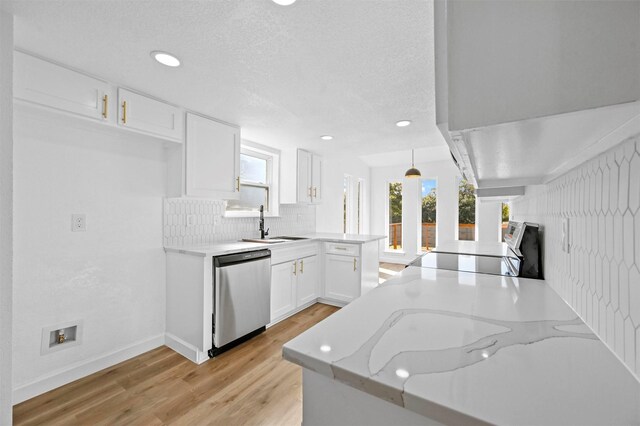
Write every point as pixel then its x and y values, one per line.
pixel 429 207
pixel 505 212
pixel 395 202
pixel 466 203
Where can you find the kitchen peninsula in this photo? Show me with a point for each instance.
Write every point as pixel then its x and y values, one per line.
pixel 444 347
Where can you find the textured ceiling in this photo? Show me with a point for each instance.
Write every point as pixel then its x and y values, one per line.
pixel 349 68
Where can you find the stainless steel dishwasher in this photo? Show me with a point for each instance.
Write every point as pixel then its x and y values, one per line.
pixel 241 298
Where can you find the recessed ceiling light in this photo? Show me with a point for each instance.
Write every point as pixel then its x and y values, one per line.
pixel 165 58
pixel 284 2
pixel 403 123
pixel 326 137
pixel 325 348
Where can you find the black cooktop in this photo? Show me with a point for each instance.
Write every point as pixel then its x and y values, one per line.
pixel 468 263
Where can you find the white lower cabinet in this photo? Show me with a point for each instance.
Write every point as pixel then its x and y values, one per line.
pixel 294 283
pixel 350 270
pixel 283 299
pixel 307 284
pixel 342 277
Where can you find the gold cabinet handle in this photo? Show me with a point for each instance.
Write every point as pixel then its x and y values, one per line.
pixel 295 267
pixel 105 106
pixel 310 196
pixel 124 112
pixel 354 263
pixel 315 192
pixel 238 184
pixel 302 266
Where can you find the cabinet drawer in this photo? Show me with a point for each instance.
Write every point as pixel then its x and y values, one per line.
pixel 342 248
pixel 292 252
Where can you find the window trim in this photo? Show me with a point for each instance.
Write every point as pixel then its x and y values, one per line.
pixel 272 156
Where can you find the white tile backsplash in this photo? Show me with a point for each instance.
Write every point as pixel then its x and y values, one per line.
pixel 600 276
pixel 190 221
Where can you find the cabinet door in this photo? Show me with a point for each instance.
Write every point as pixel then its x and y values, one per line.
pixel 48 84
pixel 307 284
pixel 212 159
pixel 316 178
pixel 304 177
pixel 283 299
pixel 342 277
pixel 149 115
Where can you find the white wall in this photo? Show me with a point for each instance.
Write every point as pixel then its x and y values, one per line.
pixel 446 175
pixel 488 220
pixel 600 276
pixel 6 214
pixel 329 214
pixel 111 277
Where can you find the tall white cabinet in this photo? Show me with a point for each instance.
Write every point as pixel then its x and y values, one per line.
pixel 212 153
pixel 309 178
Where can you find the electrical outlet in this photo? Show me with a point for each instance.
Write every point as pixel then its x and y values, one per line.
pixel 191 219
pixel 78 222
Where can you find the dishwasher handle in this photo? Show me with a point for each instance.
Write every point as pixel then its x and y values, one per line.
pixel 232 259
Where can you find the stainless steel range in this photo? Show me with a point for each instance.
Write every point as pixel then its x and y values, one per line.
pixel 519 255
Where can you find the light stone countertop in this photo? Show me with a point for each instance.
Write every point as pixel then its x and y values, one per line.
pixel 230 247
pixel 479 347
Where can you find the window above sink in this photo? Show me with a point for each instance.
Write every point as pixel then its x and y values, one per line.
pixel 259 183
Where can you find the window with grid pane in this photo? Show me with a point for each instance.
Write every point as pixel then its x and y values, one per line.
pixel 255 182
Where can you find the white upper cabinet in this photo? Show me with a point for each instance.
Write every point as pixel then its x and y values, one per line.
pixel 316 178
pixel 309 179
pixel 51 85
pixel 212 166
pixel 149 115
pixel 304 177
pixel 54 86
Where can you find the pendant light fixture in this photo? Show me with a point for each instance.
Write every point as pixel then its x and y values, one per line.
pixel 412 172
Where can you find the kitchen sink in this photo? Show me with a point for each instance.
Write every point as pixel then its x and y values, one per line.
pixel 291 238
pixel 273 240
pixel 265 240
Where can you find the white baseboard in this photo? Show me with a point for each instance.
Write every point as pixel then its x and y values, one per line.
pixel 403 260
pixel 332 302
pixel 83 369
pixel 292 313
pixel 185 349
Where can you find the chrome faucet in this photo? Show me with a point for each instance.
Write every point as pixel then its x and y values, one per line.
pixel 263 233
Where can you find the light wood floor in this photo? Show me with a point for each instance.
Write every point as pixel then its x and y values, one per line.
pixel 251 384
pixel 388 270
